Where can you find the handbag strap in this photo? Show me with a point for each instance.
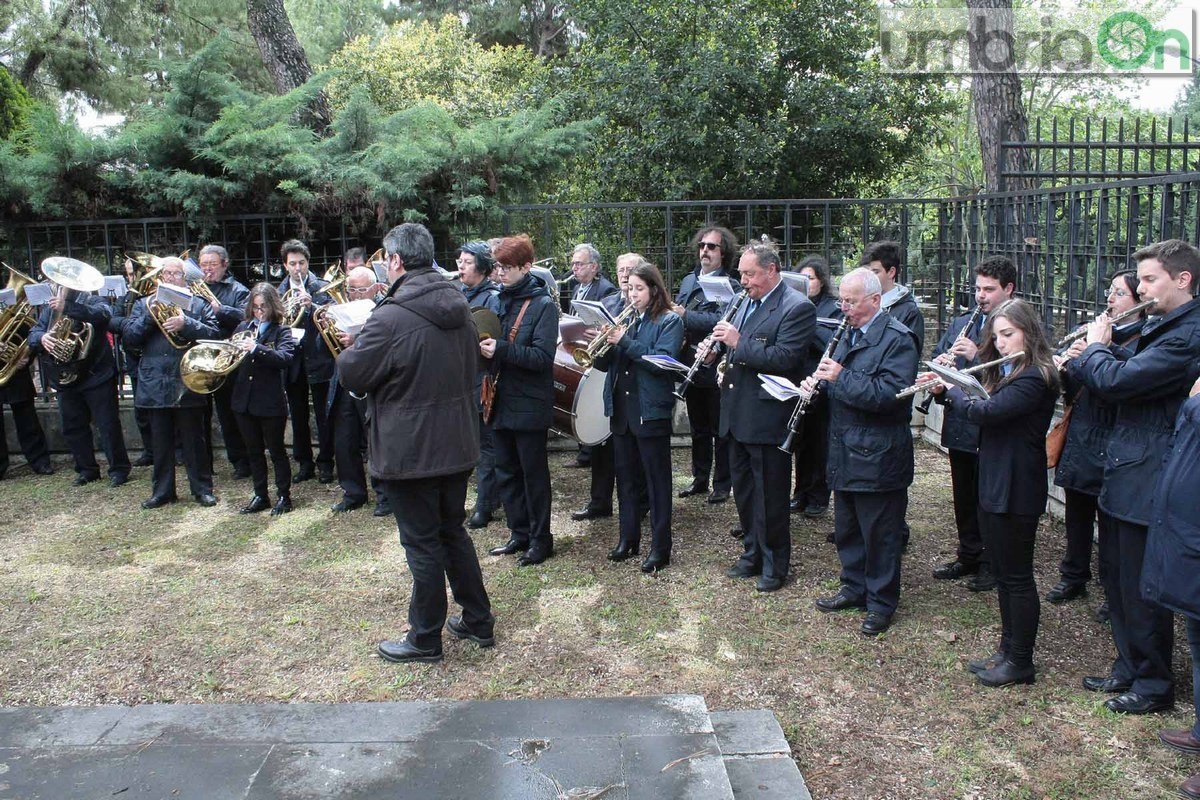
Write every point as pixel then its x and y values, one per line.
pixel 512 337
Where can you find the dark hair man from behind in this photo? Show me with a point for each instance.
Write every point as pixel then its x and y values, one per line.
pixel 415 361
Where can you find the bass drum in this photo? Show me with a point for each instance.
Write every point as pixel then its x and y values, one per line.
pixel 579 400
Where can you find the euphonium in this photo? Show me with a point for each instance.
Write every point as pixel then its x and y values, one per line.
pixel 70 345
pixel 205 366
pixel 335 280
pixel 160 313
pixel 15 324
pixel 586 356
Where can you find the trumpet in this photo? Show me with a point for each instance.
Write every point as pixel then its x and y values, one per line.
pixel 921 386
pixel 1081 331
pixel 586 356
pixel 804 401
pixel 702 350
pixel 200 289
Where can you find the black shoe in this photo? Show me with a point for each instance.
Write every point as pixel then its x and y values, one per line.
pixel 840 602
pixel 765 584
pixel 875 624
pixel 84 480
pixel 257 503
pixel 306 473
pixel 815 510
pixel 534 556
pixel 580 464
pixel 1102 614
pixel 589 512
pixel 117 480
pixel 479 520
pixel 1134 703
pixel 43 469
pixel 1063 591
pixel 955 570
pixel 655 561
pixel 737 533
pixel 144 460
pixel 325 476
pixel 241 471
pixel 796 505
pixel 206 500
pixel 1006 673
pixel 829 537
pixel 460 630
pixel 382 509
pixel 1106 683
pixel 508 548
pixel 347 504
pixel 623 552
pixel 158 502
pixel 697 486
pixel 282 506
pixel 743 570
pixel 403 652
pixel 718 496
pixel 984 581
pixel 983 664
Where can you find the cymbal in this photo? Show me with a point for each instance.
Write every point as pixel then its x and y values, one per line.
pixel 487 323
pixel 73 274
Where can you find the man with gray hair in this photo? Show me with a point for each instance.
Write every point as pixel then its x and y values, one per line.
pixel 230 308
pixel 870 463
pixel 415 361
pixel 587 283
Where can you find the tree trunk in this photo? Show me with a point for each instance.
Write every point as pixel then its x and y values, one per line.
pixel 283 55
pixel 39 52
pixel 997 100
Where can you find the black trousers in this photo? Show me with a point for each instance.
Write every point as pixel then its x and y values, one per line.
pixel 710 451
pixel 487 489
pixel 812 453
pixel 262 435
pixel 964 479
pixel 868 533
pixel 78 409
pixel 762 478
pixel 299 392
pixel 523 475
pixel 604 475
pixel 348 428
pixel 235 447
pixel 187 426
pixel 1010 539
pixel 1080 519
pixel 1144 633
pixel 643 468
pixel 29 434
pixel 140 415
pixel 429 514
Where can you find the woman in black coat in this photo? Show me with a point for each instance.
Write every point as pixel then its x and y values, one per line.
pixel 259 400
pixel 523 409
pixel 1012 476
pixel 638 400
pixel 811 494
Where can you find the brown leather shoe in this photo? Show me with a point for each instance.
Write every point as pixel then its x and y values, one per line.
pixel 1180 739
pixel 1191 787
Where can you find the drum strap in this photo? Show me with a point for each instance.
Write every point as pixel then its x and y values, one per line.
pixel 487 391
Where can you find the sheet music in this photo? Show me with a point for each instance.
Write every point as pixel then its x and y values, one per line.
pixel 666 362
pixel 796 281
pixel 954 377
pixel 297 335
pixel 350 317
pixel 8 297
pixel 381 271
pixel 170 294
pixel 779 387
pixel 39 294
pixel 114 286
pixel 593 313
pixel 717 288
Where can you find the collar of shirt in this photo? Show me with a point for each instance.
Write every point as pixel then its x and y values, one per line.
pixel 863 330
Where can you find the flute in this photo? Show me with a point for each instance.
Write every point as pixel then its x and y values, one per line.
pixel 921 386
pixel 1082 330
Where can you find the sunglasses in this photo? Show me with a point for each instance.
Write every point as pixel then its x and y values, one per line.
pixel 709 246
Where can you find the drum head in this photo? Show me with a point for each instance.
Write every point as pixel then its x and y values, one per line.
pixel 591 426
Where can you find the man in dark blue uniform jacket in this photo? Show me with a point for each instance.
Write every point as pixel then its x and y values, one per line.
pixel 230 310
pixel 770 336
pixel 1148 389
pixel 870 449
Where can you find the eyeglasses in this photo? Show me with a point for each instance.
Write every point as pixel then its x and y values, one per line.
pixel 502 266
pixel 1120 293
pixel 359 289
pixel 261 306
pixel 846 302
pixel 709 246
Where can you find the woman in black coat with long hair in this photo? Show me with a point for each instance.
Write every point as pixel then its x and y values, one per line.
pixel 811 493
pixel 259 399
pixel 1012 476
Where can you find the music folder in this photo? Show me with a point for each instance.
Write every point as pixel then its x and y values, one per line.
pixel 593 314
pixel 666 362
pixel 350 317
pixel 170 294
pixel 779 387
pixel 39 294
pixel 954 377
pixel 114 286
pixel 8 298
pixel 717 288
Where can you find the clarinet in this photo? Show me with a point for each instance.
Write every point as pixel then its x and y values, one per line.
pixel 805 401
pixel 927 403
pixel 730 312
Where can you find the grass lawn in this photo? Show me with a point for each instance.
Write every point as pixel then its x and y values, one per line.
pixel 101 602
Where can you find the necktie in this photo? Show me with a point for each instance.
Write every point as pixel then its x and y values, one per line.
pixel 855 335
pixel 754 304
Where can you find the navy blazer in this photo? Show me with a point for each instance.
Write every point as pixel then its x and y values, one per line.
pixel 260 381
pixel 600 288
pixel 313 358
pixel 1148 389
pixel 98 365
pixel 1012 441
pixel 870 445
pixel 159 384
pixel 1171 570
pixel 774 341
pixel 699 320
pixel 958 433
pixel 653 385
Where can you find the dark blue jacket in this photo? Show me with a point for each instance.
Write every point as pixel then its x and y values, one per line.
pixel 827 308
pixel 870 445
pixel 654 386
pixel 98 364
pixel 232 295
pixel 159 384
pixel 525 368
pixel 699 320
pixel 313 358
pixel 1012 441
pixel 1148 389
pixel 1081 465
pixel 1171 569
pixel 19 388
pixel 485 295
pixel 260 381
pixel 908 313
pixel 958 432
pixel 600 288
pixel 774 341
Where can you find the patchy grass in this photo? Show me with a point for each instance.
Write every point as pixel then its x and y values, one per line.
pixel 101 602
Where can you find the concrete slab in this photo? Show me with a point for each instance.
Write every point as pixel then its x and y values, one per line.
pixel 749 733
pixel 675 766
pixel 57 727
pixel 766 778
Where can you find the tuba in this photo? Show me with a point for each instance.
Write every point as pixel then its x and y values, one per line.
pixel 15 324
pixel 205 366
pixel 71 344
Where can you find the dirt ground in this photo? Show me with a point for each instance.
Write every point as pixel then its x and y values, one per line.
pixel 101 602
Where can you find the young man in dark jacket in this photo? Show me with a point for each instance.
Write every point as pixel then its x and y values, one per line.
pixel 415 360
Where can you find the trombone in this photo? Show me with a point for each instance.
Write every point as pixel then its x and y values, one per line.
pixel 586 356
